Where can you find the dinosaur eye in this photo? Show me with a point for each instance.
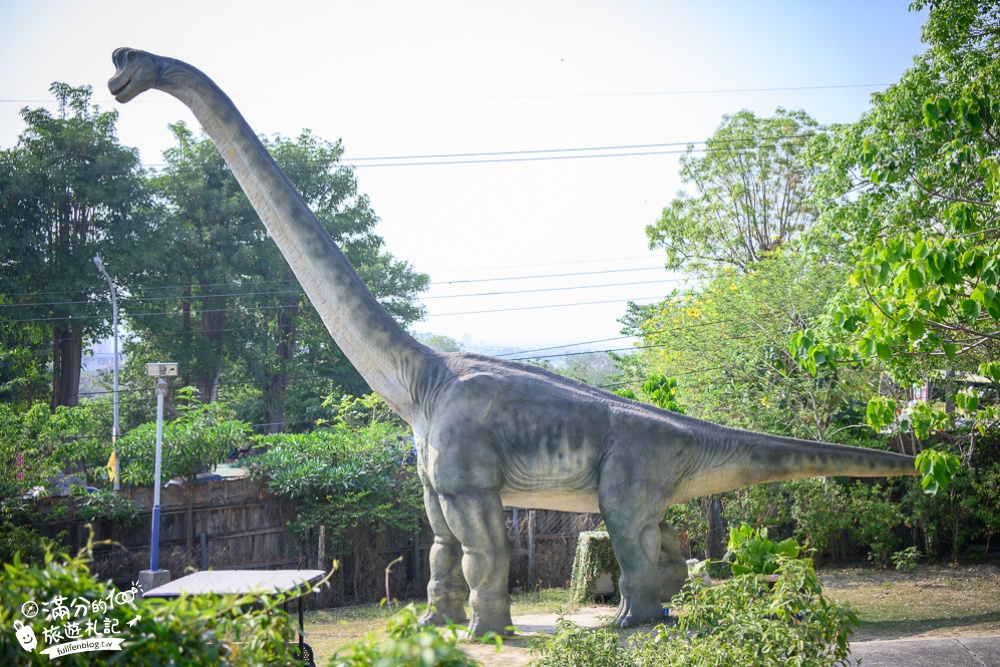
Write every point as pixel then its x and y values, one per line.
pixel 131 56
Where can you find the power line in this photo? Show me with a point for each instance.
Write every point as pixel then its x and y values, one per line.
pixel 536 151
pixel 553 289
pixel 558 305
pixel 202 297
pixel 560 347
pixel 534 158
pixel 488 157
pixel 275 283
pixel 549 275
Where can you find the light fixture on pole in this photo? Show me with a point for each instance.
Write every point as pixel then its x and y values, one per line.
pixel 114 391
pixel 161 371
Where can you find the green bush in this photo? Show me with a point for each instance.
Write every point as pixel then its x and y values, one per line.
pixel 750 552
pixel 573 646
pixel 198 630
pixel 201 437
pixel 907 559
pixel 408 643
pixel 18 516
pixel 820 510
pixel 342 477
pixel 105 505
pixel 875 519
pixel 51 443
pixel 741 621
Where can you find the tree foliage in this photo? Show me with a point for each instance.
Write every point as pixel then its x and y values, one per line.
pixel 911 198
pixel 750 194
pixel 234 305
pixel 68 191
pixel 358 472
pixel 725 342
pixel 189 630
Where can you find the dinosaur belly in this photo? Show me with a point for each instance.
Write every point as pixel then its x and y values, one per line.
pixel 562 501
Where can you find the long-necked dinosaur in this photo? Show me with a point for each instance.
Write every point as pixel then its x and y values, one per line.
pixel 491 432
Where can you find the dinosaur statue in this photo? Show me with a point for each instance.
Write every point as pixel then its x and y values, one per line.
pixel 491 432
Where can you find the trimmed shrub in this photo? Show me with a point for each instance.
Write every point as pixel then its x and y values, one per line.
pixel 594 556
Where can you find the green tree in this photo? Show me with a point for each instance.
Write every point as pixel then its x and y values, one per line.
pixel 439 342
pixel 593 368
pixel 726 343
pixel 24 350
pixel 751 191
pixel 911 194
pixel 200 438
pixel 68 190
pixel 36 444
pixel 236 308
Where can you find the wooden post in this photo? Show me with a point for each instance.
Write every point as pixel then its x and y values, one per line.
pixel 517 530
pixel 321 549
pixel 531 549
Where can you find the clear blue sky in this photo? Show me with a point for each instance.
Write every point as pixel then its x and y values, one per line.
pixel 430 78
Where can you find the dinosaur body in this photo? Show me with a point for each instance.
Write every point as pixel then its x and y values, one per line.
pixel 491 432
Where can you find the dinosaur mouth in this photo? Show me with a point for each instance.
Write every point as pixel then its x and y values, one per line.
pixel 117 92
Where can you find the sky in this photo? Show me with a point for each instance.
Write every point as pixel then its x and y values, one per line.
pixel 514 151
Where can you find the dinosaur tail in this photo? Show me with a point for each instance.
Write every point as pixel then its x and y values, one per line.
pixel 738 458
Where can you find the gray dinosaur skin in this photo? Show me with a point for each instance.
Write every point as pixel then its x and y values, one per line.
pixel 491 432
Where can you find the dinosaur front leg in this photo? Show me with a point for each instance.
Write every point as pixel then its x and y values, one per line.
pixel 446 590
pixel 477 520
pixel 633 512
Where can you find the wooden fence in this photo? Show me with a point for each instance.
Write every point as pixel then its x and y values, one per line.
pixel 237 524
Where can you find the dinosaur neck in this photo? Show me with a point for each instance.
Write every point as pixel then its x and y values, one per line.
pixel 388 358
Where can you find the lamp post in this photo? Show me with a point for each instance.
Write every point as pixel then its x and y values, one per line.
pixel 157 577
pixel 114 391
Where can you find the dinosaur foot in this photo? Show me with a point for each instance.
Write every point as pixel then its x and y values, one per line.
pixel 502 625
pixel 631 614
pixel 450 614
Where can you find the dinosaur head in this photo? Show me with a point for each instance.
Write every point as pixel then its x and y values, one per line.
pixel 136 72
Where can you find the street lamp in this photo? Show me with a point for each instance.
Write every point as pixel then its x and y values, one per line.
pixel 161 371
pixel 114 392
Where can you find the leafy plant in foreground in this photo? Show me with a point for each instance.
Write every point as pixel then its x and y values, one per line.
pixel 750 552
pixel 743 622
pixel 408 643
pixel 195 630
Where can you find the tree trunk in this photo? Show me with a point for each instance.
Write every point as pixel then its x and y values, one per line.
pixel 190 514
pixel 712 509
pixel 276 383
pixel 67 357
pixel 213 323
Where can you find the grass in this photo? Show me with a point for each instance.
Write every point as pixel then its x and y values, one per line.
pixel 933 601
pixel 328 630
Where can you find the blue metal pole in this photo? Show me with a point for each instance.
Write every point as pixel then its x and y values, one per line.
pixel 154 550
pixel 154 547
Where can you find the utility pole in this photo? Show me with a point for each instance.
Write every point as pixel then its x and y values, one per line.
pixel 114 392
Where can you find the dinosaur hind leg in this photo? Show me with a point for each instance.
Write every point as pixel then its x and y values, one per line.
pixel 446 590
pixel 671 565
